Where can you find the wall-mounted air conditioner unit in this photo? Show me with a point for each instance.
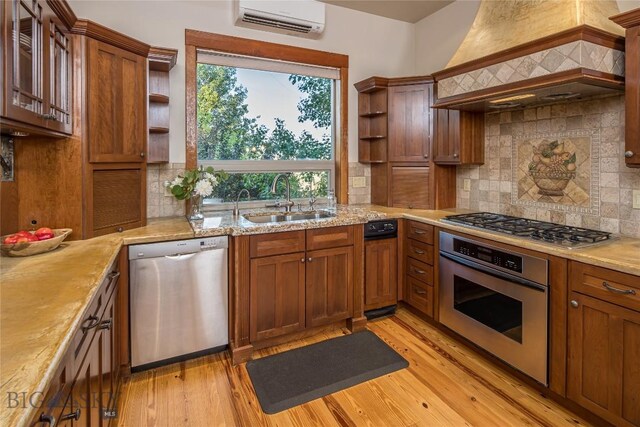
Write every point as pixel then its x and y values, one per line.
pixel 300 17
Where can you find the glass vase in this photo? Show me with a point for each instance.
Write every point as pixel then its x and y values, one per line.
pixel 196 208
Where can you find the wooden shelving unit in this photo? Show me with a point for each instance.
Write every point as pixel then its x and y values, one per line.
pixel 372 120
pixel 161 61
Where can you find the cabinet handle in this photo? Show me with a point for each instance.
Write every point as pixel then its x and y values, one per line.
pixel 113 276
pixel 618 290
pixel 119 229
pixel 574 303
pixel 142 154
pixel 309 259
pixel 106 324
pixel 419 291
pixel 628 154
pixel 49 117
pixel 49 419
pixel 456 155
pixel 417 270
pixel 417 231
pixel 93 322
pixel 71 416
pixel 418 251
pixel 302 259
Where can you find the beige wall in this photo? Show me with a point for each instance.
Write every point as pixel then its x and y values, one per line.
pixel 375 45
pixel 439 35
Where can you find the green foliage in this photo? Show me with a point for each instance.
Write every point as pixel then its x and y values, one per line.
pixel 226 132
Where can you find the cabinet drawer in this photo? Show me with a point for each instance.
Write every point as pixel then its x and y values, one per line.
pixel 419 296
pixel 331 237
pixel 420 231
pixel 420 251
pixel 420 271
pixel 276 243
pixel 618 288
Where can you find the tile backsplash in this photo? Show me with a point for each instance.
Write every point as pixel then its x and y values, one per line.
pixel 162 204
pixel 527 169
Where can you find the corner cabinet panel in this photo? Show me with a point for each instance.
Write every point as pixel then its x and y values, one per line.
pixel 117 203
pixel 409 123
pixel 277 295
pixel 329 285
pixel 117 107
pixel 603 369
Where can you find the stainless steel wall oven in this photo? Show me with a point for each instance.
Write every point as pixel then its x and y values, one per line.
pixel 498 299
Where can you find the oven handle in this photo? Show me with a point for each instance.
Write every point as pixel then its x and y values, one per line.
pixel 495 273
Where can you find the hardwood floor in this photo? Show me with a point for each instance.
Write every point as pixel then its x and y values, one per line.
pixel 446 384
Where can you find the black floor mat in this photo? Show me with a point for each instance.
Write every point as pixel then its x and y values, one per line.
pixel 293 377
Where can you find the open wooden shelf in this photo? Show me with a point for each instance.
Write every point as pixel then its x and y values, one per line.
pixel 161 61
pixel 159 98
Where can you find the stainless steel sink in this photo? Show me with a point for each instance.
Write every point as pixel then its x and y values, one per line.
pixel 288 217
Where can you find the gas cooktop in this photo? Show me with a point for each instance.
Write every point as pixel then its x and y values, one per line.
pixel 562 235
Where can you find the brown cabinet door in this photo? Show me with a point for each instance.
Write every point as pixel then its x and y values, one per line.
pixel 58 64
pixel 117 200
pixel 446 148
pixel 632 97
pixel 277 295
pixel 329 291
pixel 116 101
pixel 110 357
pixel 86 393
pixel 409 123
pixel 603 367
pixel 410 187
pixel 381 273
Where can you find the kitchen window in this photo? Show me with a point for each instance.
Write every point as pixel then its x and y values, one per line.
pixel 259 117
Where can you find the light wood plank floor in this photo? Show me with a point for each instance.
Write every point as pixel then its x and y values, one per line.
pixel 446 384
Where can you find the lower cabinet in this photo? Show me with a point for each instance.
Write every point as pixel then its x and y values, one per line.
pixel 604 359
pixel 277 292
pixel 381 273
pixel 329 285
pixel 418 266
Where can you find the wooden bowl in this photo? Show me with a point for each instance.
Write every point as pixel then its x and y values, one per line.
pixel 34 248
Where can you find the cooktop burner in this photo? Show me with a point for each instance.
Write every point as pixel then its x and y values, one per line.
pixel 539 230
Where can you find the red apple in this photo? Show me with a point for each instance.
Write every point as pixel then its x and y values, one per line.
pixel 23 233
pixel 11 239
pixel 32 238
pixel 44 233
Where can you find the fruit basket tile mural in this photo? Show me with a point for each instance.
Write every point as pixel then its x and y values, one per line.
pixel 557 171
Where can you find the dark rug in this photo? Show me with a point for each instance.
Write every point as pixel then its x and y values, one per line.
pixel 297 376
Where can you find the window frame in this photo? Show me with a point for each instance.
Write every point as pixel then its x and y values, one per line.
pixel 195 40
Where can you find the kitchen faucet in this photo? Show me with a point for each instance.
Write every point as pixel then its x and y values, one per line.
pixel 236 208
pixel 288 203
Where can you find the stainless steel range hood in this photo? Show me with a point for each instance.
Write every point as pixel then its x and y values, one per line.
pixel 532 52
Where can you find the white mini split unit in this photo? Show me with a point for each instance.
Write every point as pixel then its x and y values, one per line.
pixel 293 17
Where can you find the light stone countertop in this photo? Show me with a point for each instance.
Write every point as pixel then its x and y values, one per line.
pixel 43 297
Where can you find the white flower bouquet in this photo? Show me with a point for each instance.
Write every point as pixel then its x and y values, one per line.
pixel 196 183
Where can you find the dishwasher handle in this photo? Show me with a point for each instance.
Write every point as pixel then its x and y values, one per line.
pixel 178 247
pixel 179 257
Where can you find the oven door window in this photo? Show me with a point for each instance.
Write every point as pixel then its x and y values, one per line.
pixel 493 309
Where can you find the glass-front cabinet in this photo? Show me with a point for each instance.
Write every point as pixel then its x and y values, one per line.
pixel 37 67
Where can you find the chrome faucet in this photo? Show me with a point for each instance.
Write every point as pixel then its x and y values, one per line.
pixel 288 203
pixel 236 208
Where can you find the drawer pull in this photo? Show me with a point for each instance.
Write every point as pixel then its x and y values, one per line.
pixel 417 270
pixel 106 324
pixel 49 419
pixel 618 290
pixel 418 251
pixel 574 303
pixel 419 291
pixel 114 275
pixel 93 321
pixel 302 259
pixel 418 231
pixel 309 259
pixel 71 416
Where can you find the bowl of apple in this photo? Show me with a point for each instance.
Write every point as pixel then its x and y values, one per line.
pixel 26 243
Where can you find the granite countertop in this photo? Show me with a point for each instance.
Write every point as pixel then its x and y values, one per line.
pixel 43 297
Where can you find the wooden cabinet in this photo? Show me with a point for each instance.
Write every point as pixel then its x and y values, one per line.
pixel 117 199
pixel 459 138
pixel 418 265
pixel 36 68
pixel 161 61
pixel 277 294
pixel 631 21
pixel 410 187
pixel 329 285
pixel 117 119
pixel 410 122
pixel 381 273
pixel 603 374
pixel 372 120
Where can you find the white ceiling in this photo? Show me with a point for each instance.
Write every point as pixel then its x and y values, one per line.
pixel 403 10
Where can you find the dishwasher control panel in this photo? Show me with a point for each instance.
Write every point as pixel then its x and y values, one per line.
pixel 177 247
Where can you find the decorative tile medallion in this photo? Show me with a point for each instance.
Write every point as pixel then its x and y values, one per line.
pixel 557 171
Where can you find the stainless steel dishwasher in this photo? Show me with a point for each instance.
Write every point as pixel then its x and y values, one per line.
pixel 178 300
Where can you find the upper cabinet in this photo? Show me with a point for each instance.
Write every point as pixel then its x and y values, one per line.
pixel 37 67
pixel 459 138
pixel 631 21
pixel 117 119
pixel 409 122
